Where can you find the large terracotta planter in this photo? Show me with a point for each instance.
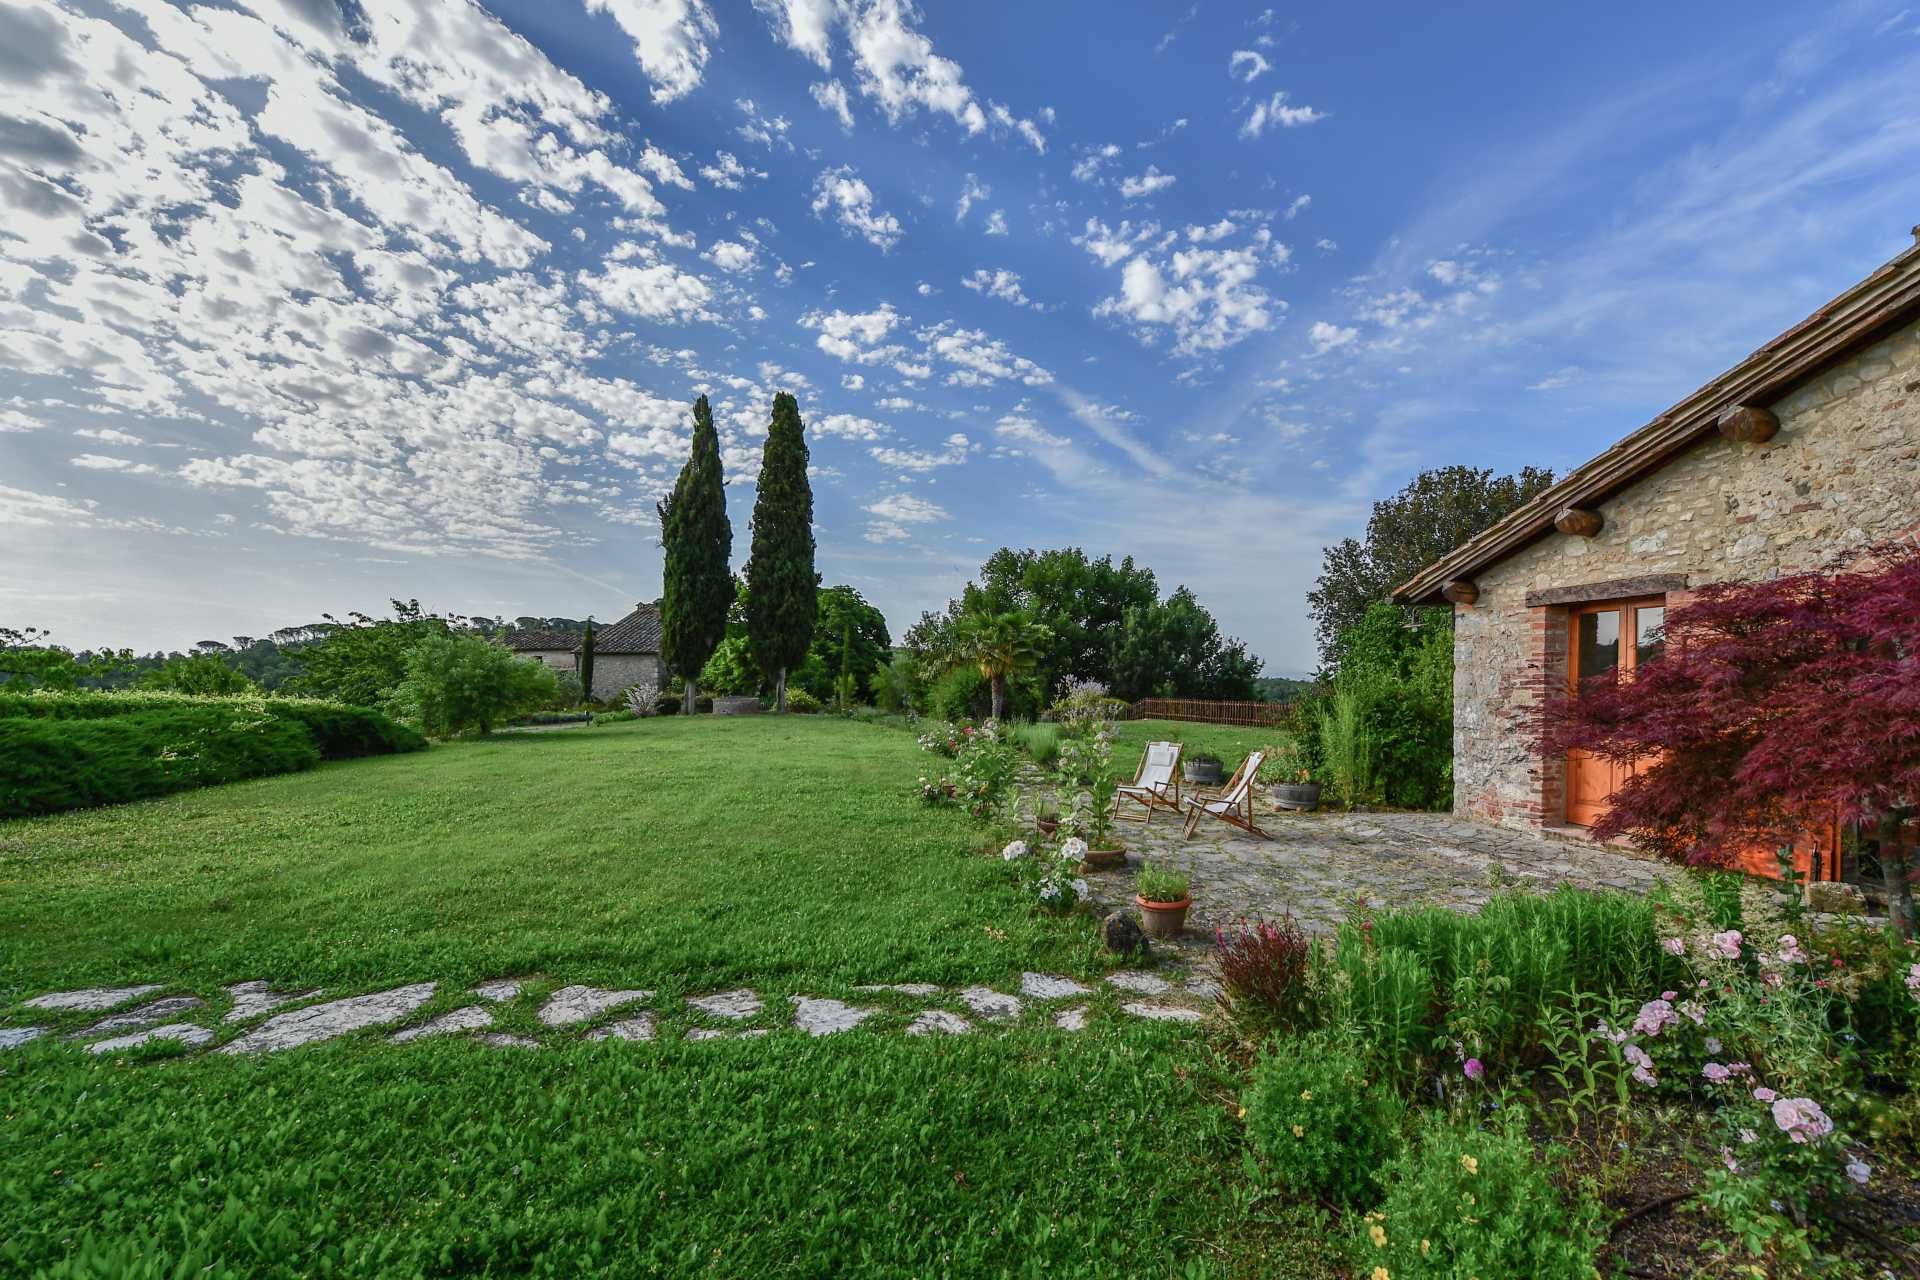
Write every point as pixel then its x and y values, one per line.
pixel 1302 797
pixel 1104 859
pixel 1163 919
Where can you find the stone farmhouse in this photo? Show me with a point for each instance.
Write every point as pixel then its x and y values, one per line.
pixel 625 653
pixel 1799 457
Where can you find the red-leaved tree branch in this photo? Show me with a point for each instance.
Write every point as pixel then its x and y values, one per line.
pixel 1775 707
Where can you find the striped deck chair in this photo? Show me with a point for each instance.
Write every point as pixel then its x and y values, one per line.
pixel 1235 803
pixel 1156 784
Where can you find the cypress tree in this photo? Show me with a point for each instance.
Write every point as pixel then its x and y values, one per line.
pixel 586 663
pixel 782 586
pixel 697 587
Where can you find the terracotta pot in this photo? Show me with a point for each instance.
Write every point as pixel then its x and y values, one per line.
pixel 1104 859
pixel 1204 772
pixel 1046 826
pixel 1302 797
pixel 1163 919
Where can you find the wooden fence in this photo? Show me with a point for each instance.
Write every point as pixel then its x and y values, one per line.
pixel 1202 711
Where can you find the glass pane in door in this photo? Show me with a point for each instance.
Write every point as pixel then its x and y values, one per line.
pixel 1649 633
pixel 1599 643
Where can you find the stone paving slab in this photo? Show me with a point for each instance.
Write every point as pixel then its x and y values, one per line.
pixel 184 1032
pixel 145 1016
pixel 471 1018
pixel 251 999
pixel 335 1018
pixel 91 999
pixel 569 1005
pixel 1317 864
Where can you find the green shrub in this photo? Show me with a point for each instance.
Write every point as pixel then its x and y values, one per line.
pixel 614 717
pixel 47 764
pixel 457 683
pixel 347 733
pixel 1384 995
pixel 803 703
pixel 339 731
pixel 1467 1202
pixel 1323 1125
pixel 961 694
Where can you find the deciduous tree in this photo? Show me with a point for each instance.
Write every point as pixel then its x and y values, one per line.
pixel 1774 707
pixel 1435 513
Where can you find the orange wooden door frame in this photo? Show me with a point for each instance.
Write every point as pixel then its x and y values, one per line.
pixel 1591 781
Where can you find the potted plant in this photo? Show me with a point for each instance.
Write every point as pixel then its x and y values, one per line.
pixel 1086 756
pixel 1046 815
pixel 1163 899
pixel 1202 768
pixel 1288 777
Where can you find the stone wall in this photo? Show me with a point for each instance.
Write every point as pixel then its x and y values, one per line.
pixel 558 659
pixel 613 672
pixel 1843 472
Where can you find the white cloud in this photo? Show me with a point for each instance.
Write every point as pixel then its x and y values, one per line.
pixel 1328 337
pixel 1210 298
pixel 669 40
pixel 851 201
pixel 95 462
pixel 952 452
pixel 971 190
pixel 105 435
pixel 1145 184
pixel 997 223
pixel 1001 284
pixel 977 359
pixel 832 97
pixel 1087 168
pixel 767 131
pixel 726 171
pixel 853 381
pixel 894 513
pixel 854 335
pixel 847 426
pixel 731 255
pixel 1276 111
pixel 1298 207
pixel 804 26
pixel 1247 66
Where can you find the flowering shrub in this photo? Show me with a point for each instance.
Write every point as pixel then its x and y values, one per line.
pixel 1322 1125
pixel 942 739
pixel 1267 965
pixel 1050 873
pixel 1084 701
pixel 985 768
pixel 1086 759
pixel 934 792
pixel 1471 1202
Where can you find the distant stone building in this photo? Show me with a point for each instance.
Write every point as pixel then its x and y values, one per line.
pixel 625 653
pixel 1807 451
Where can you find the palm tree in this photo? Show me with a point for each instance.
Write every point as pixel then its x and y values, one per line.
pixel 1001 645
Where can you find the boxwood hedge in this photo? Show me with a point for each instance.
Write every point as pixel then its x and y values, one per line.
pixel 71 751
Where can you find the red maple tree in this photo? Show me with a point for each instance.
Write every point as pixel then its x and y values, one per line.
pixel 1775 707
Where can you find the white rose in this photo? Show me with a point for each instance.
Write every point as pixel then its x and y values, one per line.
pixel 1014 851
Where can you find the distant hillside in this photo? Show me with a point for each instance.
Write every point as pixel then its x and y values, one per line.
pixel 1279 688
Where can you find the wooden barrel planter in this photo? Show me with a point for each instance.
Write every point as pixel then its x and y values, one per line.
pixel 1300 797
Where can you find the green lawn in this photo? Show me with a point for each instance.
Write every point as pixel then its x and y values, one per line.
pixel 1230 742
pixel 679 855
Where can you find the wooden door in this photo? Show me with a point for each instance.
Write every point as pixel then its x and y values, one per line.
pixel 1612 638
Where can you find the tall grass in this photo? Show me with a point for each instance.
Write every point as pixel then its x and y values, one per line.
pixel 1041 741
pixel 1347 747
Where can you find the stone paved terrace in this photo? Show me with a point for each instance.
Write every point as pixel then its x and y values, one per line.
pixel 1317 863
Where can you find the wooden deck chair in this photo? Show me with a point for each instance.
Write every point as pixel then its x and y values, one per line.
pixel 1155 785
pixel 1235 803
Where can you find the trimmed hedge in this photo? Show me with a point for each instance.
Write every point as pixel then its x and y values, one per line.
pixel 71 751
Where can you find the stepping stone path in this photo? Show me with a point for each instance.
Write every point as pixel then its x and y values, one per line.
pixel 92 999
pixel 184 1032
pixel 640 1028
pixel 569 1005
pixel 251 999
pixel 939 1022
pixel 728 1004
pixel 819 1017
pixel 574 1006
pixel 335 1018
pixel 145 1016
pixel 471 1018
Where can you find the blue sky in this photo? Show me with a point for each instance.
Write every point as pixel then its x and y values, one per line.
pixel 302 308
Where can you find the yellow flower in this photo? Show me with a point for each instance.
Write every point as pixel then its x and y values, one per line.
pixel 1426 1247
pixel 1380 1273
pixel 1243 1113
pixel 1306 1095
pixel 1379 1234
pixel 1470 1164
pixel 1298 1132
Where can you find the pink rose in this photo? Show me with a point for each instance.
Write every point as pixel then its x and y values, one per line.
pixel 1801 1119
pixel 1473 1069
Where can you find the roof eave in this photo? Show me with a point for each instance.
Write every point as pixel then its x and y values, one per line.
pixel 1851 321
